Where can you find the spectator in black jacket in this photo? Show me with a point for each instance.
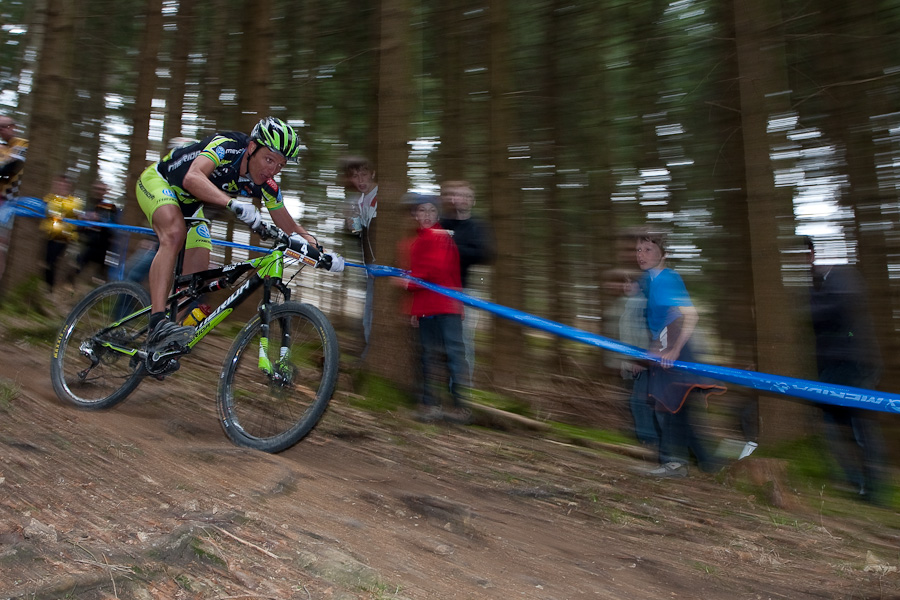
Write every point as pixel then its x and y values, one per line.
pixel 97 241
pixel 476 247
pixel 847 353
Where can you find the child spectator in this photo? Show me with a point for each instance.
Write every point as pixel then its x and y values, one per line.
pixel 671 318
pixel 633 331
pixel 432 256
pixel 359 177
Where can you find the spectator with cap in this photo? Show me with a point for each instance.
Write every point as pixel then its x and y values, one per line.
pixel 432 256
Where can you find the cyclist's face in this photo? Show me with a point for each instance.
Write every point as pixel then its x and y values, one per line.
pixel 265 164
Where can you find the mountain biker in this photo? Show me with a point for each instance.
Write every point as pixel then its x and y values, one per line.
pixel 227 169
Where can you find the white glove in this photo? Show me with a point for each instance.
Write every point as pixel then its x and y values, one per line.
pixel 337 263
pixel 246 212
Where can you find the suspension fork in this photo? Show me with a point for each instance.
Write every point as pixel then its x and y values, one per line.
pixel 265 315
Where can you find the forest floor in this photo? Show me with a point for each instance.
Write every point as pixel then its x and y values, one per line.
pixel 149 500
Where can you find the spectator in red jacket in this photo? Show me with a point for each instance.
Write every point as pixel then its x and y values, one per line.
pixel 432 256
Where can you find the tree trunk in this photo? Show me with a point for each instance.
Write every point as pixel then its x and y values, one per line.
pixel 47 157
pixel 31 51
pixel 143 103
pixel 71 105
pixel 731 264
pixel 506 206
pixel 558 272
pixel 214 67
pixel 452 151
pixel 599 210
pixel 857 101
pixel 651 52
pixel 45 154
pixel 764 89
pixel 181 49
pixel 95 83
pixel 256 67
pixel 389 355
pixel 303 95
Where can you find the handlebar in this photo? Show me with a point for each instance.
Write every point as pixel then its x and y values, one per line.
pixel 267 231
pixel 295 246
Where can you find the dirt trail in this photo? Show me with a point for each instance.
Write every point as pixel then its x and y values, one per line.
pixel 150 500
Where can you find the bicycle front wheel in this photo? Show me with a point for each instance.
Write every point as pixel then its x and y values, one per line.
pixel 274 389
pixel 94 363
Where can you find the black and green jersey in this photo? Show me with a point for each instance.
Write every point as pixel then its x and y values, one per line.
pixel 226 151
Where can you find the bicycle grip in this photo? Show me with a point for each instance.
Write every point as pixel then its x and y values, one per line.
pixel 302 250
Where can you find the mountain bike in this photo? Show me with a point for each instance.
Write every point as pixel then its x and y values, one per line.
pixel 278 376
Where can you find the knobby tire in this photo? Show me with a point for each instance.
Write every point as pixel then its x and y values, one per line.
pixel 272 412
pixel 115 375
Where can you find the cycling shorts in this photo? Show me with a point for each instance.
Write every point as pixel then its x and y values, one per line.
pixel 153 191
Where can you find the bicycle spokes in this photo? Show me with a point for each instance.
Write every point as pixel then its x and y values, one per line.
pixel 94 362
pixel 279 377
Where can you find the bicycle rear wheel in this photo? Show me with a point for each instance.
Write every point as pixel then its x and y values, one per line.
pixel 273 392
pixel 93 364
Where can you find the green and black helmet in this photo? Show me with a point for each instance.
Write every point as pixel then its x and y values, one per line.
pixel 278 136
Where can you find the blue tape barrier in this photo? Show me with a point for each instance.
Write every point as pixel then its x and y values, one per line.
pixel 814 391
pixel 35 207
pixel 787 386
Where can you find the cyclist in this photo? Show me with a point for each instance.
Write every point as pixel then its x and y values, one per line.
pixel 225 169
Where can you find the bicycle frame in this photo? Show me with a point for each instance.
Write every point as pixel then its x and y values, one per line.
pixel 269 273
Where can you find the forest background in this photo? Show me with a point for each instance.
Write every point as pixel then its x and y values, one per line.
pixel 736 126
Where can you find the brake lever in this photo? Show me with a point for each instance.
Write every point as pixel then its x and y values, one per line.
pixel 267 232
